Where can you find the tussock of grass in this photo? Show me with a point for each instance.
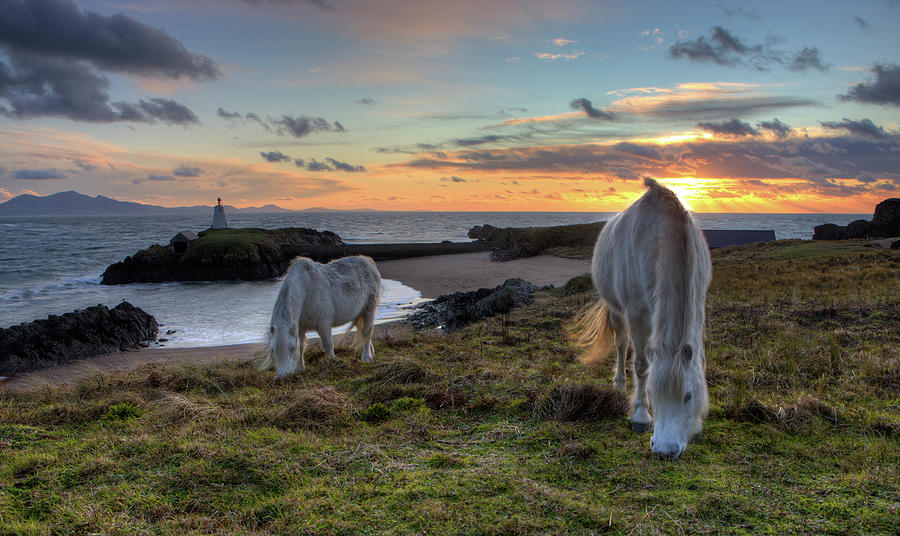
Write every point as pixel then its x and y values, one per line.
pixel 581 402
pixel 322 406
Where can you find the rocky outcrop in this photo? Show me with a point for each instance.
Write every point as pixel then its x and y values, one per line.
pixel 453 311
pixel 219 255
pixel 512 243
pixel 80 334
pixel 885 223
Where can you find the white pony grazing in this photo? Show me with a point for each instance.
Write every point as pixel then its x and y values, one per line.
pixel 317 296
pixel 651 269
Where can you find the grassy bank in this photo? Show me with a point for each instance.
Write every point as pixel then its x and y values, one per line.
pixel 496 429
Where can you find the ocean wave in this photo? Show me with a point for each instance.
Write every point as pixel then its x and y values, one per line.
pixel 49 288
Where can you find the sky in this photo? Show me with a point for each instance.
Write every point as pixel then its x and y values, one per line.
pixel 452 105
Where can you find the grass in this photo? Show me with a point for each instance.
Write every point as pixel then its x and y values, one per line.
pixel 496 428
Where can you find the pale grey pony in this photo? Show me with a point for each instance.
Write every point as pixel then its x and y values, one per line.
pixel 651 269
pixel 317 296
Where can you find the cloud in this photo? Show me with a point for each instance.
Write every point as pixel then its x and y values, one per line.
pixel 160 178
pixel 343 166
pixel 313 165
pixel 274 156
pixel 59 28
pixel 723 48
pixel 38 174
pixel 776 127
pixel 321 4
pixel 301 126
pixel 688 102
pixel 299 162
pixel 885 89
pixel 185 170
pixel 795 158
pixel 734 127
pixel 367 101
pixel 453 179
pixel 861 23
pixel 561 42
pixel 863 127
pixel 40 86
pixel 739 11
pixel 588 108
pixel 549 56
pixel 228 115
pixel 480 140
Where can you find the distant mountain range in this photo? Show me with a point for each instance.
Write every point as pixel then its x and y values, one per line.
pixel 76 204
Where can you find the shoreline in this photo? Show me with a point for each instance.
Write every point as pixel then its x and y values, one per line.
pixel 433 276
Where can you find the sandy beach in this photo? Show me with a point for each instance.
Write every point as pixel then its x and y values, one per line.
pixel 433 276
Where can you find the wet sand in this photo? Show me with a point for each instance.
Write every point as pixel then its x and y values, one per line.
pixel 433 276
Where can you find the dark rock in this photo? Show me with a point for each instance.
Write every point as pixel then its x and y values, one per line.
pixel 80 334
pixel 829 231
pixel 486 232
pixel 886 221
pixel 456 310
pixel 220 255
pixel 895 244
pixel 858 229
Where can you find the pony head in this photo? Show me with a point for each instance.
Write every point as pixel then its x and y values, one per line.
pixel 284 348
pixel 677 389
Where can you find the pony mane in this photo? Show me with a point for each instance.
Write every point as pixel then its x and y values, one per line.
pixel 676 288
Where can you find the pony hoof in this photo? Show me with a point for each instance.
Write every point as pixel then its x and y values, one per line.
pixel 640 427
pixel 696 438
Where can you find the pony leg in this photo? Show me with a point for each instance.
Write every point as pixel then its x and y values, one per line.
pixel 640 419
pixel 302 350
pixel 366 329
pixel 618 325
pixel 327 342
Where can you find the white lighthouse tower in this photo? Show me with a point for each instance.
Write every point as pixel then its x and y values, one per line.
pixel 219 217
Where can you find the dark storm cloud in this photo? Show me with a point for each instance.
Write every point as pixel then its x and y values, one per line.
pixel 38 174
pixel 160 178
pixel 863 127
pixel 55 53
pixel 367 101
pixel 59 28
pixel 343 166
pixel 301 125
pixel 734 127
pixel 299 162
pixel 724 48
pixel 885 89
pixel 274 156
pixel 586 106
pixel 776 127
pixel 185 170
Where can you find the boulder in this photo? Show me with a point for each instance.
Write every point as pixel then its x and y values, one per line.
pixel 486 232
pixel 80 334
pixel 453 311
pixel 829 231
pixel 886 221
pixel 858 229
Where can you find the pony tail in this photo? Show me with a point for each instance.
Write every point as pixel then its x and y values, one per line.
pixel 592 332
pixel 355 339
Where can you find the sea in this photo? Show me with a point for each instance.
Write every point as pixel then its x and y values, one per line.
pixel 52 265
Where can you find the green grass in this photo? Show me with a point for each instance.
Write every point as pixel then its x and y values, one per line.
pixel 802 438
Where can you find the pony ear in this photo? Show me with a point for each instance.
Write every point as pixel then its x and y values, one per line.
pixel 687 352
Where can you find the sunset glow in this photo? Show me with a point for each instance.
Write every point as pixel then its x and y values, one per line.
pixel 461 105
